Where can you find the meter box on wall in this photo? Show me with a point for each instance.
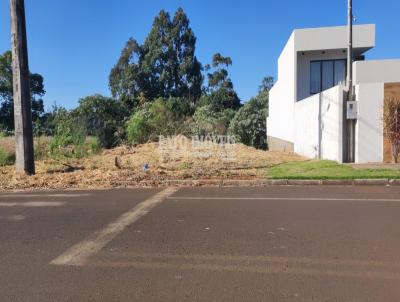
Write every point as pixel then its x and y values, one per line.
pixel 351 110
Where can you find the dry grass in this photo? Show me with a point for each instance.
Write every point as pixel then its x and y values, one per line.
pixel 7 144
pixel 123 166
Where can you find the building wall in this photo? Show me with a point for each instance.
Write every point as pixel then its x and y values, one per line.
pixel 334 37
pixel 282 96
pixel 303 68
pixel 369 126
pixel 370 78
pixel 376 71
pixel 306 133
pixel 318 125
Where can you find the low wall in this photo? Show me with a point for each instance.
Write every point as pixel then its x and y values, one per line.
pixel 318 125
pixel 369 126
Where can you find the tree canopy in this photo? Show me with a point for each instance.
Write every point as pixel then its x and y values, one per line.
pixel 6 94
pixel 164 66
pixel 220 86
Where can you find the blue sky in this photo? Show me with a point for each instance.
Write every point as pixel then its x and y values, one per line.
pixel 75 43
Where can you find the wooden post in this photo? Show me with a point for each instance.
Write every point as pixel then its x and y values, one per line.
pixel 22 97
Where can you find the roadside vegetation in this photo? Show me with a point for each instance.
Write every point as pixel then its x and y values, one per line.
pixel 391 125
pixel 157 87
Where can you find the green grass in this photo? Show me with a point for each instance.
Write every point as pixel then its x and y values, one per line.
pixel 325 169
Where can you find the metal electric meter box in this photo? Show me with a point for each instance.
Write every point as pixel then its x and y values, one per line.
pixel 351 110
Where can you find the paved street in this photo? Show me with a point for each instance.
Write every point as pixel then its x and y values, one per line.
pixel 321 243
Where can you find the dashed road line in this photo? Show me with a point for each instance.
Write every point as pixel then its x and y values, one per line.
pixel 78 254
pixel 61 195
pixel 32 204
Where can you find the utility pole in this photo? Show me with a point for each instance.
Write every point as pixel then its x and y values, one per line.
pixel 350 123
pixel 21 94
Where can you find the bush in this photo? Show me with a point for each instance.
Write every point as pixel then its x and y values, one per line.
pixel 104 118
pixel 161 117
pixel 138 128
pixel 223 98
pixel 70 135
pixel 209 121
pixel 391 124
pixel 249 123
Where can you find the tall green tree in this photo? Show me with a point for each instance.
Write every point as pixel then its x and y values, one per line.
pixel 6 94
pixel 220 86
pixel 126 79
pixel 266 84
pixel 188 78
pixel 164 66
pixel 157 61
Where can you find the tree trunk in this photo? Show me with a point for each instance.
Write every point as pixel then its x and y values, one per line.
pixel 22 99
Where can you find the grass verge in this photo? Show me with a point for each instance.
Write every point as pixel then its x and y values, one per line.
pixel 325 169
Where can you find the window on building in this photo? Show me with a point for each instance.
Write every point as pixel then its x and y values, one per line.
pixel 315 77
pixel 326 74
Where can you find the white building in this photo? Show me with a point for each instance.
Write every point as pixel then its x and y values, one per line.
pixel 306 113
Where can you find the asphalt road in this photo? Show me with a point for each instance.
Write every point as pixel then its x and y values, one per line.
pixel 202 244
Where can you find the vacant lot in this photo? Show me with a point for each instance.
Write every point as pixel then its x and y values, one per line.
pixel 150 165
pixel 144 165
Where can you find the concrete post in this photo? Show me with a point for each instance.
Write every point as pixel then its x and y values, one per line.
pixel 22 98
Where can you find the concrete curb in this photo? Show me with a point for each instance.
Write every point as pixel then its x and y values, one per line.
pixel 228 183
pixel 394 182
pixel 280 182
pixel 371 182
pixel 303 182
pixel 337 182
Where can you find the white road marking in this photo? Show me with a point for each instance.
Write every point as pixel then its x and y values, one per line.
pixel 17 217
pixel 42 195
pixel 283 198
pixel 78 254
pixel 32 204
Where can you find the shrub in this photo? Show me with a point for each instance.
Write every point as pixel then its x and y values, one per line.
pixel 209 121
pixel 249 123
pixel 391 124
pixel 138 128
pixel 220 100
pixel 161 117
pixel 94 145
pixel 70 135
pixel 103 117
